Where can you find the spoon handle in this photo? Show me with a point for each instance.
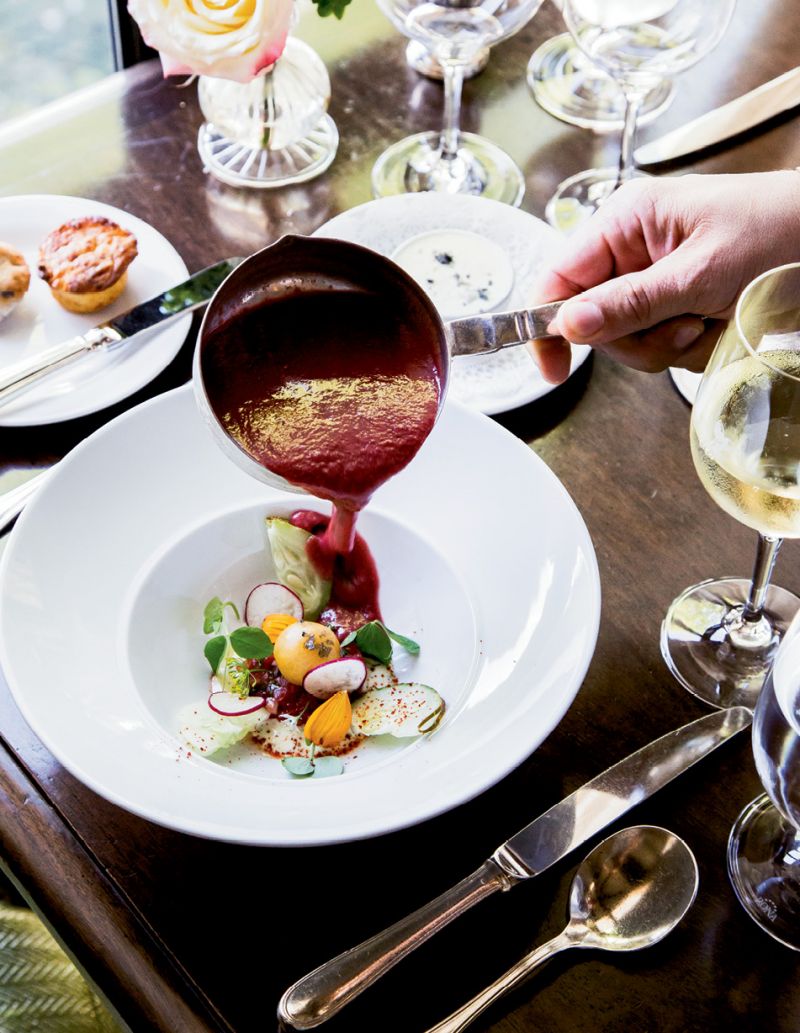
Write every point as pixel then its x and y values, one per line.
pixel 467 1013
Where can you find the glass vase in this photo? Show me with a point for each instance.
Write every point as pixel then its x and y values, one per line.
pixel 274 130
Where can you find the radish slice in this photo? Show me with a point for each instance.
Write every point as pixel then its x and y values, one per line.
pixel 347 673
pixel 400 710
pixel 271 598
pixel 228 704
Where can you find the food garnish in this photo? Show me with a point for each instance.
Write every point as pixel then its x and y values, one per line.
pixel 307 691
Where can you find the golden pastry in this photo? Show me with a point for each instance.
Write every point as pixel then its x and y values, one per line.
pixel 85 262
pixel 15 278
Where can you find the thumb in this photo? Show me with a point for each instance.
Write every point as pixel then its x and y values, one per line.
pixel 631 303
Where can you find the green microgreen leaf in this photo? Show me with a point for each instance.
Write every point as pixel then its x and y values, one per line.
pixel 375 639
pixel 407 643
pixel 298 767
pixel 251 643
pixel 214 650
pixel 334 7
pixel 235 611
pixel 372 639
pixel 212 616
pixel 324 767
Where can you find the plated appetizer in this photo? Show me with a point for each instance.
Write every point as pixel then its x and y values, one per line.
pixel 85 262
pixel 300 672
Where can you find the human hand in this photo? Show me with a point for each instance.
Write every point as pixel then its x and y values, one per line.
pixel 659 257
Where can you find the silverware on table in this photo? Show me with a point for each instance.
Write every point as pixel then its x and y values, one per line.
pixel 163 308
pixel 325 991
pixel 738 115
pixel 629 893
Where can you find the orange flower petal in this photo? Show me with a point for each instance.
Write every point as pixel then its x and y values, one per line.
pixel 274 623
pixel 330 723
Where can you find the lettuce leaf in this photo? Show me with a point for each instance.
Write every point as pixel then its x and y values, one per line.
pixel 293 567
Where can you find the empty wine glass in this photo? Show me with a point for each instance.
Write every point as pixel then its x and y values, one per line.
pixel 638 43
pixel 454 31
pixel 764 845
pixel 567 85
pixel 720 637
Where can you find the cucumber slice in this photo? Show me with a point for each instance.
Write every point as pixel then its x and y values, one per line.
pixel 400 710
pixel 294 568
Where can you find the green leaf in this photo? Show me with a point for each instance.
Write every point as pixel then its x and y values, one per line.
pixel 214 650
pixel 324 767
pixel 251 643
pixel 212 616
pixel 407 643
pixel 327 7
pixel 372 639
pixel 298 767
pixel 350 638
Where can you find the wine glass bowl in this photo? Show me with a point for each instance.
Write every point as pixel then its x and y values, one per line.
pixel 720 637
pixel 638 45
pixel 570 87
pixel 455 32
pixel 764 845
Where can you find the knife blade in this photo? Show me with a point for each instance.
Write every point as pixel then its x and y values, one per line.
pixel 157 311
pixel 481 335
pixel 735 117
pixel 322 993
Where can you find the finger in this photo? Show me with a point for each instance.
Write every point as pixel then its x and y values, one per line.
pixel 553 356
pixel 633 303
pixel 696 357
pixel 661 347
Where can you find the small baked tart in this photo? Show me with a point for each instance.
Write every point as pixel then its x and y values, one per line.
pixel 15 278
pixel 85 262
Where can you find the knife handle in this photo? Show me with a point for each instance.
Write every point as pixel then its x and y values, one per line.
pixel 318 996
pixel 26 373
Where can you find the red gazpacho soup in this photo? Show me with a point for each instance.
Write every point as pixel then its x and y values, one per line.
pixel 333 384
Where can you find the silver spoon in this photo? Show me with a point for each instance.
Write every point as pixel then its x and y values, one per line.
pixel 630 891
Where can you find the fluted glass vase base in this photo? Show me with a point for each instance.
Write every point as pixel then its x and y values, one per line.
pixel 240 164
pixel 273 130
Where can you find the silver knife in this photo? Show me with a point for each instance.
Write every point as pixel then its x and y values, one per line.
pixel 325 991
pixel 157 311
pixel 481 335
pixel 747 111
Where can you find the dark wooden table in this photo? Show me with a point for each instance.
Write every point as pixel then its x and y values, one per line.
pixel 129 900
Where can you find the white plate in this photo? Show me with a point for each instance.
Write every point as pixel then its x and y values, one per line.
pixel 489 383
pixel 482 555
pixel 38 322
pixel 686 382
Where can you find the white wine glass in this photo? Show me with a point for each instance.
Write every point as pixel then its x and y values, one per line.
pixel 450 161
pixel 719 638
pixel 764 845
pixel 570 87
pixel 638 43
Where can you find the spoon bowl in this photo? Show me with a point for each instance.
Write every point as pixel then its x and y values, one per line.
pixel 628 893
pixel 632 889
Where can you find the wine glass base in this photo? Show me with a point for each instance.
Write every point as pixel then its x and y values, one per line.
pixel 571 89
pixel 711 653
pixel 579 197
pixel 764 869
pixel 241 165
pixel 423 61
pixel 493 174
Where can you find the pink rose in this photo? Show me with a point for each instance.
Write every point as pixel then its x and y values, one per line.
pixel 228 39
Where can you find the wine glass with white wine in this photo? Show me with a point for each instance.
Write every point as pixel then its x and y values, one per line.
pixel 764 845
pixel 720 637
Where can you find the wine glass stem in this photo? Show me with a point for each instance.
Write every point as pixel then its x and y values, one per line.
pixel 453 81
pixel 766 555
pixel 633 102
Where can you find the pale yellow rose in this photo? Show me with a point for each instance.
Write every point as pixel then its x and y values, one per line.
pixel 229 39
